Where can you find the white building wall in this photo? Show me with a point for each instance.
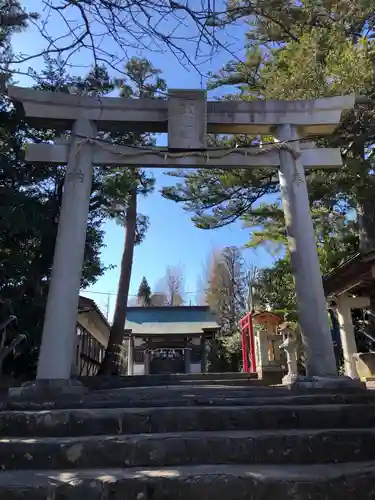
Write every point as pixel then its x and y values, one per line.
pixel 138 369
pixel 195 368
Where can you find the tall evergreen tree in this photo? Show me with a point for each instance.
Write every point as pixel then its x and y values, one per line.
pixel 30 204
pixel 144 293
pixel 13 19
pixel 143 80
pixel 297 51
pixel 309 50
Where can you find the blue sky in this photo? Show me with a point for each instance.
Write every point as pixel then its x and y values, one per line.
pixel 172 238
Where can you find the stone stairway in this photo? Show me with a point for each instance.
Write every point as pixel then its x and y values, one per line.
pixel 190 441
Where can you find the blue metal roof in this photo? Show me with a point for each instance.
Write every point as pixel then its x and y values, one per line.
pixel 170 320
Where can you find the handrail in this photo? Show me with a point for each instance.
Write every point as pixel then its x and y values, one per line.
pixel 15 342
pixel 7 322
pixel 3 330
pixel 367 335
pixel 370 313
pixel 21 337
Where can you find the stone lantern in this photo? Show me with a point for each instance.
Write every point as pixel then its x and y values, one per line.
pixel 290 346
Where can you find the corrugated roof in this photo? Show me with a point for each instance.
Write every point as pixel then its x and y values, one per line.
pixel 170 320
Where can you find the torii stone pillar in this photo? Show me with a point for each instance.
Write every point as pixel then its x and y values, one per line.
pixel 320 358
pixel 180 119
pixel 60 323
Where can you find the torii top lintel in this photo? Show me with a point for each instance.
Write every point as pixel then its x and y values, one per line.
pixel 313 117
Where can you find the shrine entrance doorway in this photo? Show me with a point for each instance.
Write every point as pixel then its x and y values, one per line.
pixel 167 361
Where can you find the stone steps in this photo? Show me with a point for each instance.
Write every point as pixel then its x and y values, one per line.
pixel 190 396
pixel 94 422
pixel 105 382
pixel 285 447
pixel 212 482
pixel 189 442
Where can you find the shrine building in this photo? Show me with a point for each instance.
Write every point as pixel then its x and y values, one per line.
pixel 169 339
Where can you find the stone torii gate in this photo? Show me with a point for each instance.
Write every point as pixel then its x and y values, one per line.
pixel 187 117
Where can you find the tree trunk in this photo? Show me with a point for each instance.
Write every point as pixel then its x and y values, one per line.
pixel 112 359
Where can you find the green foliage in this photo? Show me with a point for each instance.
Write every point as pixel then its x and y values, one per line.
pixel 122 190
pixel 31 198
pixel 269 218
pixel 144 293
pixel 30 204
pixel 297 51
pixel 142 81
pixel 13 20
pixel 274 287
pixel 228 354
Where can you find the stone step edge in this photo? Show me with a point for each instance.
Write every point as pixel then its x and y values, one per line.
pixel 116 421
pixel 292 406
pixel 197 402
pixel 99 412
pixel 49 479
pixel 217 435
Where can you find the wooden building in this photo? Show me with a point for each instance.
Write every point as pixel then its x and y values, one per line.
pixel 91 340
pixel 169 339
pixel 350 290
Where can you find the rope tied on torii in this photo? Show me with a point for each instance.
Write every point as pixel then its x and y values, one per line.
pixel 187 117
pixel 249 151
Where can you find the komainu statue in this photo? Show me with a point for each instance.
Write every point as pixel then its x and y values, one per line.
pixel 289 344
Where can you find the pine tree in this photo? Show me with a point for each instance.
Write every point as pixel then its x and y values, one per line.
pixel 143 80
pixel 13 19
pixel 309 50
pixel 298 51
pixel 144 293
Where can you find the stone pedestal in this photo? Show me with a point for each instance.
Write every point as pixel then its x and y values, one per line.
pixel 365 365
pixel 330 384
pixel 48 389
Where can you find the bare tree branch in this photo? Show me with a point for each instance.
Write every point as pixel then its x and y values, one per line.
pixel 109 29
pixel 174 285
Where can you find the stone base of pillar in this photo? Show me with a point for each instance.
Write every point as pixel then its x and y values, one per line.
pixel 289 379
pixel 47 389
pixel 334 384
pixel 271 376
